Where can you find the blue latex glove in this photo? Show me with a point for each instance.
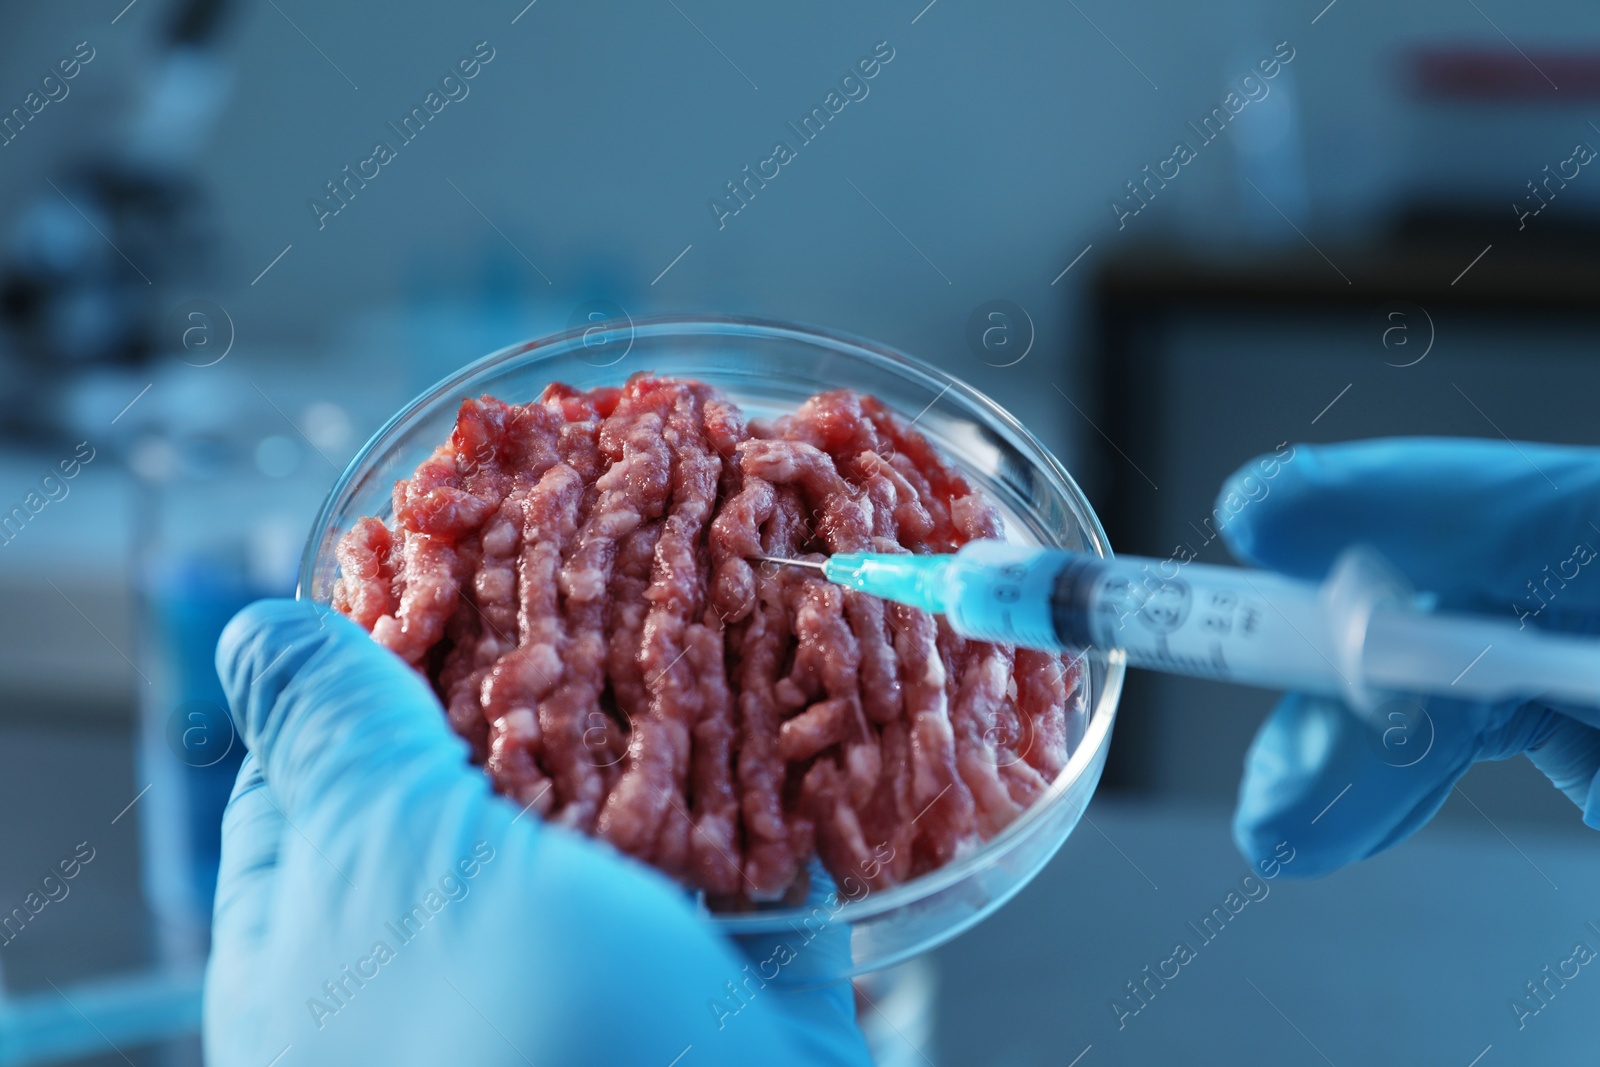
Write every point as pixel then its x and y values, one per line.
pixel 525 944
pixel 1480 523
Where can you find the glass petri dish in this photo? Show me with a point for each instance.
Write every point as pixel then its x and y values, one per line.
pixel 770 368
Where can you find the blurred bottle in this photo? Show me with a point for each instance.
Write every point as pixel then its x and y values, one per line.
pixel 1268 153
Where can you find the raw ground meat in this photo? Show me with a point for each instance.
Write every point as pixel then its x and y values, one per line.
pixel 573 577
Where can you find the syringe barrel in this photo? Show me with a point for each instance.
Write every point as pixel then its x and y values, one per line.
pixel 1208 621
pixel 1225 623
pixel 1354 637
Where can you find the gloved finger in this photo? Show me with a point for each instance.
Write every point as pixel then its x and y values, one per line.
pixel 331 716
pixel 1338 786
pixel 1482 523
pixel 1569 755
pixel 252 829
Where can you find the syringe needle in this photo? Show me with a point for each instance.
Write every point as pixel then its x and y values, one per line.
pixel 787 562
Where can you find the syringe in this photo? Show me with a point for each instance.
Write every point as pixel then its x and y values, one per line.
pixel 1358 635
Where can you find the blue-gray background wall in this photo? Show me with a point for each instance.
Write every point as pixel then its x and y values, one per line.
pixel 995 141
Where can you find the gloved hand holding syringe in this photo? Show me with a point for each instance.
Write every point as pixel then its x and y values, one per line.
pixel 1357 636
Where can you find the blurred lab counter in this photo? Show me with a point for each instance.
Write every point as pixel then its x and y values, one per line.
pixel 1415 956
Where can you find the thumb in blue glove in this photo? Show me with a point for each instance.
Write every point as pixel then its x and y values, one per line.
pixel 377 903
pixel 1481 524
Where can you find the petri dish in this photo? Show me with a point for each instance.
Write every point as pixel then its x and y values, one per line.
pixel 769 368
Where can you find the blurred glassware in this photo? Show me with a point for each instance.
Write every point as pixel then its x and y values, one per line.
pixel 228 486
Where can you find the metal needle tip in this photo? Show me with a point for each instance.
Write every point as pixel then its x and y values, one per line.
pixel 788 562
